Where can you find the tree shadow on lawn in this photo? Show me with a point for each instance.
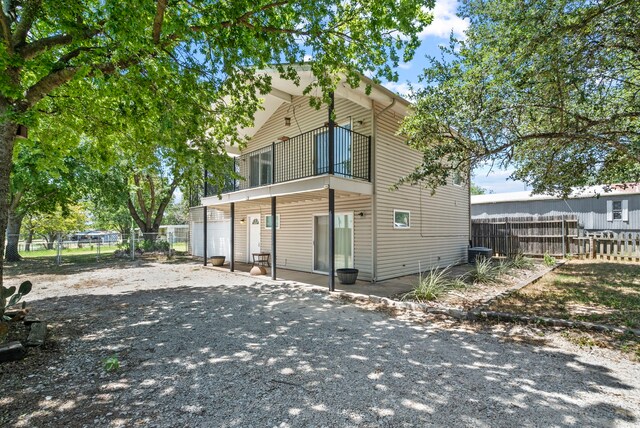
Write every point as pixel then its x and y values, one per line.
pixel 598 292
pixel 45 265
pixel 270 355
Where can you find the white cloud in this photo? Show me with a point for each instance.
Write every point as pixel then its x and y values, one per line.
pixel 445 20
pixel 404 65
pixel 403 89
pixel 497 180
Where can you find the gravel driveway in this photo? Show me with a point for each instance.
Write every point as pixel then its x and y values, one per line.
pixel 202 348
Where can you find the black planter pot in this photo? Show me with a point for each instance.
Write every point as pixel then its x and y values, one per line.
pixel 347 275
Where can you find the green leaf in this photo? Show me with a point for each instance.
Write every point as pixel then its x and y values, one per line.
pixel 8 291
pixel 14 299
pixel 25 288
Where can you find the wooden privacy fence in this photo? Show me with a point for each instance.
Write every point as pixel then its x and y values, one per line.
pixel 533 236
pixel 554 235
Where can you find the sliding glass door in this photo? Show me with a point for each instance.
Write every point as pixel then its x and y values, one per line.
pixel 343 242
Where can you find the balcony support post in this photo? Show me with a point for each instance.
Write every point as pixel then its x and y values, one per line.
pixel 206 187
pixel 332 240
pixel 331 142
pixel 274 224
pixel 204 233
pixel 232 239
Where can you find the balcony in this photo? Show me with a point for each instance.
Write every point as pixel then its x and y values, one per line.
pixel 305 155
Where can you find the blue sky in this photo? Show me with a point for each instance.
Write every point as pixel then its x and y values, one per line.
pixel 445 21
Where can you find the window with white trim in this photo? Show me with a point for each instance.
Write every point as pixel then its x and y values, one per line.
pixel 618 210
pixel 268 222
pixel 401 219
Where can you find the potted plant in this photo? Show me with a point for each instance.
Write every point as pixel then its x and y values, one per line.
pixel 347 275
pixel 217 260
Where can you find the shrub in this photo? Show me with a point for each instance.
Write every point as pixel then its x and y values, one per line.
pixel 430 286
pixel 484 271
pixel 549 260
pixel 504 266
pixel 521 262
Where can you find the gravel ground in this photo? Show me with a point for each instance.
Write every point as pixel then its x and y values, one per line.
pixel 201 348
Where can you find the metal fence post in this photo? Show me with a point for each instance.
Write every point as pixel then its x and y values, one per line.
pixel 59 251
pixel 98 250
pixel 132 246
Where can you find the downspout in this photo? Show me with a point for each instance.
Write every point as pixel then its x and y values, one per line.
pixel 374 210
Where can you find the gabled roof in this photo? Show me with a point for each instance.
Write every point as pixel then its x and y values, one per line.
pixel 586 192
pixel 283 90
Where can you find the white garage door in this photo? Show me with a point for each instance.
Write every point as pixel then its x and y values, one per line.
pixel 218 239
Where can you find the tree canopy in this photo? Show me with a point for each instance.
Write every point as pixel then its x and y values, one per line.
pixel 548 87
pixel 54 55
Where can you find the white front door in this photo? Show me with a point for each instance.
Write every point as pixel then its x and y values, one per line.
pixel 343 242
pixel 253 234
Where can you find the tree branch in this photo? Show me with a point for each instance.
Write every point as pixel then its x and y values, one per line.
pixel 135 215
pixel 30 11
pixel 165 202
pixel 32 49
pixel 158 19
pixel 6 30
pixel 61 76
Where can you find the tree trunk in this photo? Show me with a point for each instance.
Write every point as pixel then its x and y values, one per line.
pixel 13 237
pixel 7 139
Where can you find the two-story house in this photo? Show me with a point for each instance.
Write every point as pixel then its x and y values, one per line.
pixel 328 186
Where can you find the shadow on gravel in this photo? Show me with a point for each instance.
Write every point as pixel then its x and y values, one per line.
pixel 47 265
pixel 267 356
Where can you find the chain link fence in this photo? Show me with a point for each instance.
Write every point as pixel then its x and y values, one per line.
pixel 71 249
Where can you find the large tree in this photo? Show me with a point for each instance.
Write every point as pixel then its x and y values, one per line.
pixel 548 87
pixel 46 45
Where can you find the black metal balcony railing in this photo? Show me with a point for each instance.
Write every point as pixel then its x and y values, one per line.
pixel 305 155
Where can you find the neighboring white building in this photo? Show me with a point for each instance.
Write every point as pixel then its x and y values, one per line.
pixel 597 209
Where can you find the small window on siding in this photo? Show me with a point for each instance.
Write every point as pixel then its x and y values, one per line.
pixel 457 178
pixel 618 210
pixel 401 219
pixel 267 221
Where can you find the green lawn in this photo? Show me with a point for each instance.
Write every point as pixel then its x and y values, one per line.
pixel 86 250
pixel 594 291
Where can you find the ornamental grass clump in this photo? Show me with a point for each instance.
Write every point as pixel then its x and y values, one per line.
pixel 484 272
pixel 430 286
pixel 521 262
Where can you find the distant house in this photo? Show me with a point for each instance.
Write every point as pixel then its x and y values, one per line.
pixel 301 167
pixel 617 210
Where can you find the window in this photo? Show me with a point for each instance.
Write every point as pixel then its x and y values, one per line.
pixel 268 222
pixel 457 178
pixel 260 169
pixel 618 210
pixel 341 151
pixel 401 219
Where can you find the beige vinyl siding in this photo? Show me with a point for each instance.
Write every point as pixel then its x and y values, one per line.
pixel 305 118
pixel 295 236
pixel 439 232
